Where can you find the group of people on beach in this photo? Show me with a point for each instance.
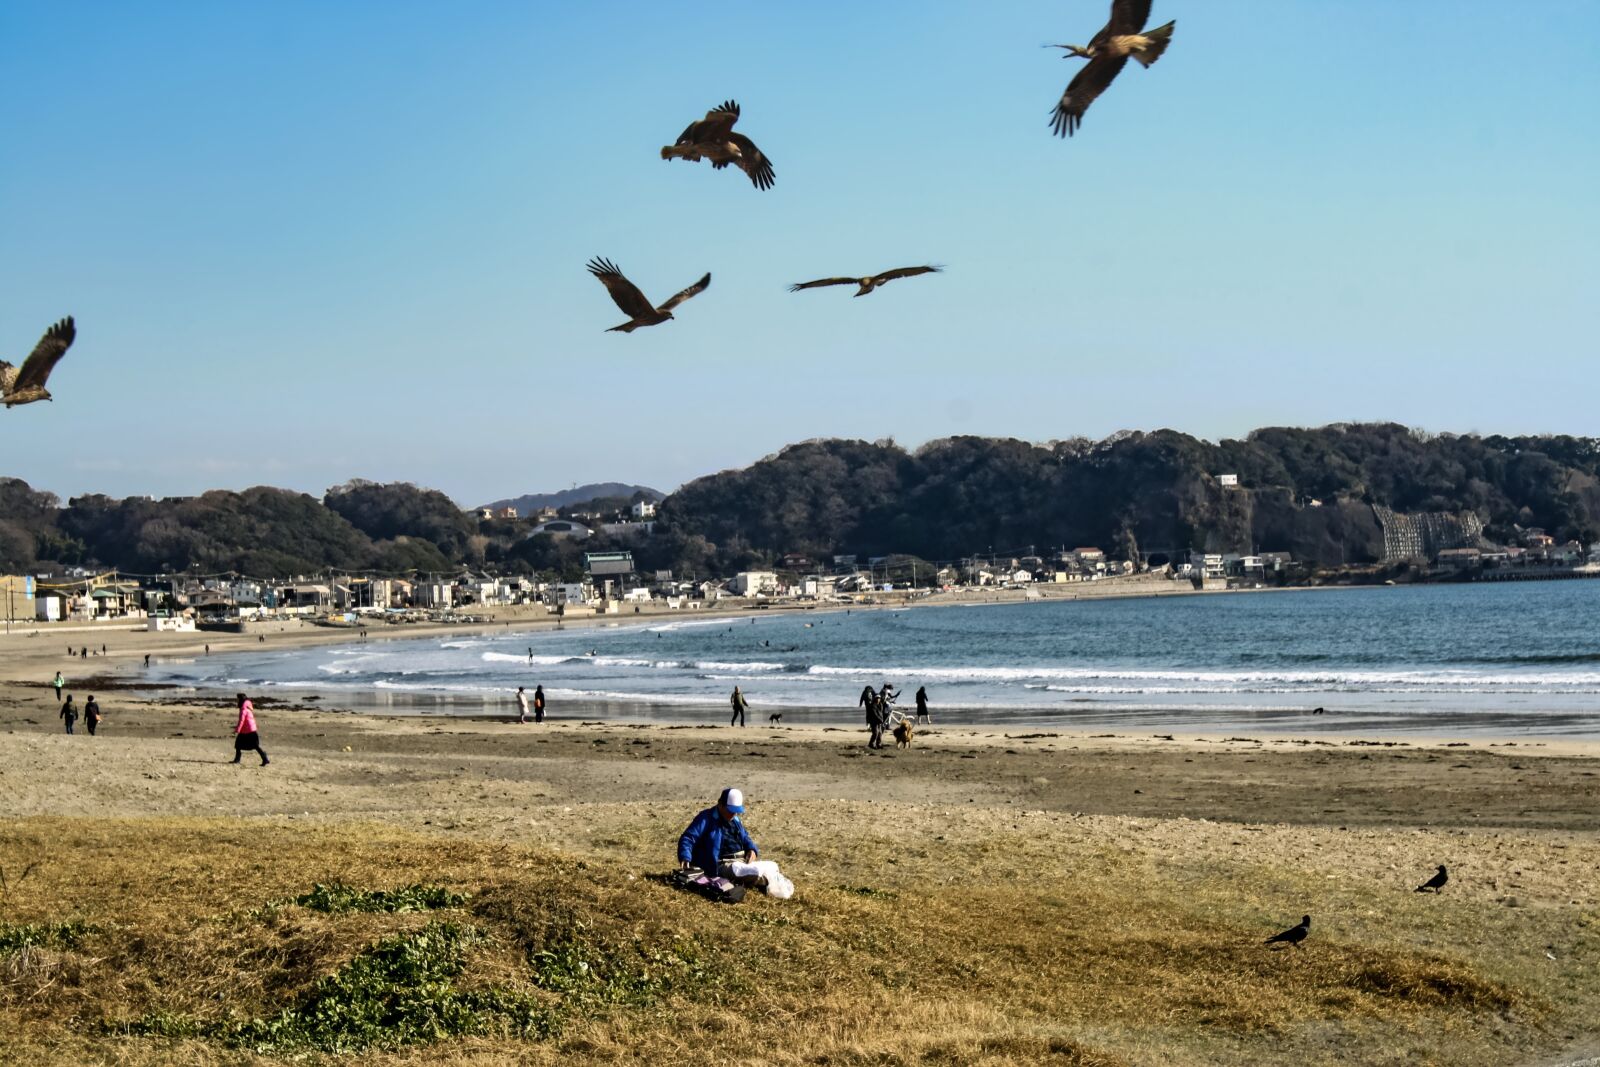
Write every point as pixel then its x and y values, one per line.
pixel 538 703
pixel 878 704
pixel 68 709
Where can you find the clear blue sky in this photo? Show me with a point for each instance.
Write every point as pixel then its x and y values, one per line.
pixel 306 242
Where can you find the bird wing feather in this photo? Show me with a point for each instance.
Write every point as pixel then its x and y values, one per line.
pixel 717 124
pixel 1091 81
pixel 693 290
pixel 823 281
pixel 626 295
pixel 907 272
pixel 46 354
pixel 1128 16
pixel 753 161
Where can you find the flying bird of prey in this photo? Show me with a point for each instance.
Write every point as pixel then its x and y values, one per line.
pixel 713 138
pixel 1294 935
pixel 1107 54
pixel 1435 883
pixel 870 283
pixel 24 385
pixel 633 302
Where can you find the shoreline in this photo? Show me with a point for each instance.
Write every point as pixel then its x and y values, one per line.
pixel 29 659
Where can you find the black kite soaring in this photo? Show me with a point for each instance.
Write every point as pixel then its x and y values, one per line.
pixel 26 385
pixel 632 301
pixel 713 138
pixel 868 284
pixel 1107 54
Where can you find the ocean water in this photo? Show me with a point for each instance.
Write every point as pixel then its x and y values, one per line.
pixel 1516 658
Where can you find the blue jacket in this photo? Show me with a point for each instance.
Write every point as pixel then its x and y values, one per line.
pixel 702 845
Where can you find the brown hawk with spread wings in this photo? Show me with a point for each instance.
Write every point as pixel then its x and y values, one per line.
pixel 1107 54
pixel 639 310
pixel 713 138
pixel 24 385
pixel 869 283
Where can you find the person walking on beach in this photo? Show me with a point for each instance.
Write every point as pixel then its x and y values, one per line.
pixel 91 714
pixel 58 683
pixel 147 659
pixel 922 705
pixel 739 705
pixel 69 713
pixel 877 717
pixel 522 704
pixel 538 703
pixel 246 738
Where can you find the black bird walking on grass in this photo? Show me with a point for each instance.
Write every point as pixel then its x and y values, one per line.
pixel 1294 935
pixel 1435 883
pixel 1107 54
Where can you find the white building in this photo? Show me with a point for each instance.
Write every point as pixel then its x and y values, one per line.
pixel 1228 481
pixel 754 583
pixel 433 595
pixel 575 593
pixel 642 510
pixel 819 587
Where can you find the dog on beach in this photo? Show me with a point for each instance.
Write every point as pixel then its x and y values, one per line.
pixel 775 718
pixel 902 734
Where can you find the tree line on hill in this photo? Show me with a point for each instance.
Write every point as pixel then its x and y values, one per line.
pixel 949 499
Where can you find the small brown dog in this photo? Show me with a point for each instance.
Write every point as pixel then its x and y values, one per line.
pixel 902 734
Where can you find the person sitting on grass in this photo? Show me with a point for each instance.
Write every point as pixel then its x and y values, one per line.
pixel 717 837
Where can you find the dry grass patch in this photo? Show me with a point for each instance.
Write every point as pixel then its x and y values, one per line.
pixel 208 943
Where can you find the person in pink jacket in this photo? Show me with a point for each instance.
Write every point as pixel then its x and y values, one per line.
pixel 245 736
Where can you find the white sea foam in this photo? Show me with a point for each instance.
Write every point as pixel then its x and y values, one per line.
pixel 1228 681
pixel 540 661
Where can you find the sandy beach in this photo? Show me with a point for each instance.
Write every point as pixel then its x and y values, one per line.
pixel 1116 843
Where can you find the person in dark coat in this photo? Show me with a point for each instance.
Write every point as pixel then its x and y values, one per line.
pixel 69 713
pixel 877 719
pixel 538 703
pixel 91 714
pixel 922 705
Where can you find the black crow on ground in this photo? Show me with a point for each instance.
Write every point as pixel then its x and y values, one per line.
pixel 1294 935
pixel 1435 883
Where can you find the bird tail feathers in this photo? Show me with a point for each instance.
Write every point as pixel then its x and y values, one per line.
pixel 627 327
pixel 1159 38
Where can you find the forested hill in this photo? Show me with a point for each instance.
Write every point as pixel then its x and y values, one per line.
pixel 1162 490
pixel 1309 492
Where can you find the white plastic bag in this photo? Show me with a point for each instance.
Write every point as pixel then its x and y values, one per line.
pixel 777 885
